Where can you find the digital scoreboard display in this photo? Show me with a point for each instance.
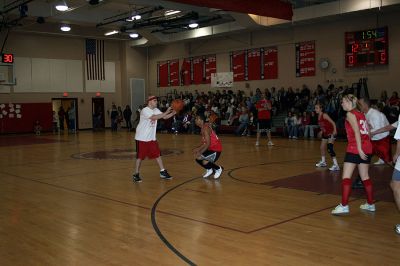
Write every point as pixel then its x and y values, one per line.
pixel 367 48
pixel 7 58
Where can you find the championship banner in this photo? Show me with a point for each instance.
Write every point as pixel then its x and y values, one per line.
pixel 305 59
pixel 163 74
pixel 174 72
pixel 253 64
pixel 198 70
pixel 186 72
pixel 238 65
pixel 270 63
pixel 211 67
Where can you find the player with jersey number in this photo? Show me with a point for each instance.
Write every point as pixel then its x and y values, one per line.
pixel 210 149
pixel 264 107
pixel 328 133
pixel 358 154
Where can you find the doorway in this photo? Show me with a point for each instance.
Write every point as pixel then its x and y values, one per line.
pixel 66 110
pixel 98 118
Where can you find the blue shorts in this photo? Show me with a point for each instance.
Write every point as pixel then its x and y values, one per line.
pixel 396 175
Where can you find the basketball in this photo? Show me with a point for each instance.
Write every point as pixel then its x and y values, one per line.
pixel 177 105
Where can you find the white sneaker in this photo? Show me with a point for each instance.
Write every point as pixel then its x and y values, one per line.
pixel 379 162
pixel 218 173
pixel 368 207
pixel 397 229
pixel 208 173
pixel 270 143
pixel 340 209
pixel 257 143
pixel 334 167
pixel 321 164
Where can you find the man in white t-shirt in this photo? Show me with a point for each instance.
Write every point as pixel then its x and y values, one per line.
pixel 146 143
pixel 381 142
pixel 395 184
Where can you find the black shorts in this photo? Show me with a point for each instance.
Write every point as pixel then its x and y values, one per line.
pixel 211 156
pixel 356 159
pixel 263 125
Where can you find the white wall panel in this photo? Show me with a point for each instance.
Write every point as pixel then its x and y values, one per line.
pixel 74 81
pixel 23 74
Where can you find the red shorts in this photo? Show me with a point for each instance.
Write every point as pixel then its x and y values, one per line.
pixel 147 149
pixel 383 149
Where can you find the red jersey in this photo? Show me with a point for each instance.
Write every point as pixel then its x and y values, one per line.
pixel 215 143
pixel 351 138
pixel 325 125
pixel 262 113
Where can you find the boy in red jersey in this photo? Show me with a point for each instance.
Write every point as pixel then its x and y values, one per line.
pixel 358 154
pixel 328 133
pixel 210 149
pixel 264 107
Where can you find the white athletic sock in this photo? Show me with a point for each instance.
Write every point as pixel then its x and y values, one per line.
pixel 322 158
pixel 334 161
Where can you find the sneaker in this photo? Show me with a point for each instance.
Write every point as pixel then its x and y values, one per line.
pixel 340 209
pixel 379 162
pixel 397 229
pixel 208 173
pixel 368 207
pixel 136 178
pixel 164 175
pixel 257 143
pixel 270 143
pixel 218 173
pixel 334 167
pixel 321 164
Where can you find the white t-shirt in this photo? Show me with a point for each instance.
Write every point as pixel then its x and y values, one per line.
pixel 377 120
pixel 397 137
pixel 146 129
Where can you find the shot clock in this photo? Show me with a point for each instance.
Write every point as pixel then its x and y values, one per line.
pixel 7 58
pixel 367 48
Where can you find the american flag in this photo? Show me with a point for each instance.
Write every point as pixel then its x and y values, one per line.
pixel 95 59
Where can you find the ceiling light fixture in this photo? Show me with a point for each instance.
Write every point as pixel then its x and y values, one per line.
pixel 193 25
pixel 65 28
pixel 111 33
pixel 136 17
pixel 134 35
pixel 171 12
pixel 62 7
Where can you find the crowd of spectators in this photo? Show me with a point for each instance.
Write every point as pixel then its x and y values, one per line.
pixel 226 108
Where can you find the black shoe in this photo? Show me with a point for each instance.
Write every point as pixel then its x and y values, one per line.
pixel 164 175
pixel 357 184
pixel 136 178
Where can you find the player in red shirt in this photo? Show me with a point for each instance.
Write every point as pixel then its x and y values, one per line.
pixel 210 149
pixel 328 133
pixel 358 154
pixel 264 107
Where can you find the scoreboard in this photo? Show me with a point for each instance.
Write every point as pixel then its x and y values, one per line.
pixel 367 48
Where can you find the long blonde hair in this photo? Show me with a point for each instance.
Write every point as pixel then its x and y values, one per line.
pixel 353 99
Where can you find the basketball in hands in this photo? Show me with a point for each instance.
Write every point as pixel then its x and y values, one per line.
pixel 177 105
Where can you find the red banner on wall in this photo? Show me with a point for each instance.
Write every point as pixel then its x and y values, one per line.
pixel 174 72
pixel 163 74
pixel 211 67
pixel 305 59
pixel 253 64
pixel 238 65
pixel 198 70
pixel 270 63
pixel 186 72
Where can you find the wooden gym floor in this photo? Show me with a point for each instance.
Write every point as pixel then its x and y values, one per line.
pixel 69 200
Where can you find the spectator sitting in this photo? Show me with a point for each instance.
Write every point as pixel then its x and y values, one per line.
pixel 309 129
pixel 288 124
pixel 37 128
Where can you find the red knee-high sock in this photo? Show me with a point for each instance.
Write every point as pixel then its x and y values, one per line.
pixel 368 190
pixel 346 189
